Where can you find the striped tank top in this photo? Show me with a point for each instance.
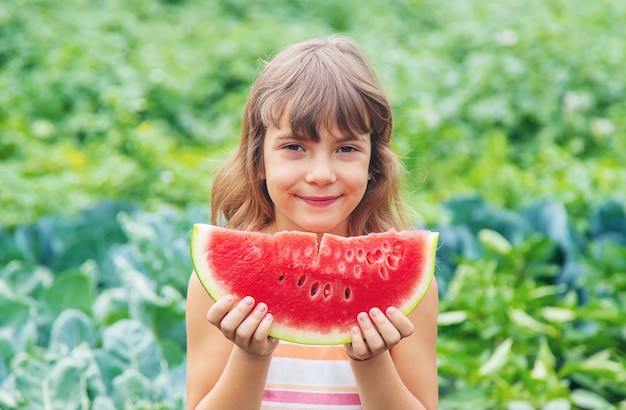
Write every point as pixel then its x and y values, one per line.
pixel 310 377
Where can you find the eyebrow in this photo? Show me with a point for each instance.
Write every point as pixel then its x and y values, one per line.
pixel 345 138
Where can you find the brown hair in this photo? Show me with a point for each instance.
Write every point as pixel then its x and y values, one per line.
pixel 323 85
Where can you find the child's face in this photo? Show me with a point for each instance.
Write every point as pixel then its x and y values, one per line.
pixel 315 186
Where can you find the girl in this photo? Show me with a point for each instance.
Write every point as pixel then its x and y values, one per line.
pixel 314 156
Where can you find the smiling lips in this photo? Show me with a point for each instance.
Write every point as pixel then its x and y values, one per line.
pixel 319 200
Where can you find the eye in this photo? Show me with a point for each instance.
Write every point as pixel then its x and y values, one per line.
pixel 293 147
pixel 347 148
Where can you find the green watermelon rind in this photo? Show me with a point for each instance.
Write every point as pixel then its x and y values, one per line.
pixel 198 247
pixel 200 240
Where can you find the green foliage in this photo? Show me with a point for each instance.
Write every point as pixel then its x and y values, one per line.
pixel 533 311
pixel 141 100
pixel 103 329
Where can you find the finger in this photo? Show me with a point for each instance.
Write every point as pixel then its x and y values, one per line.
pixel 388 332
pixel 357 349
pixel 219 309
pixel 400 321
pixel 261 334
pixel 262 342
pixel 248 327
pixel 374 341
pixel 233 319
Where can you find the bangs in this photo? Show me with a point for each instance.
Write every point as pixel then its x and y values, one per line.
pixel 321 98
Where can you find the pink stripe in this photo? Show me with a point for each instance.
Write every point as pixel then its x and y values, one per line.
pixel 283 396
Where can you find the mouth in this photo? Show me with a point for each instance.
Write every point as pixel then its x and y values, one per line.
pixel 319 200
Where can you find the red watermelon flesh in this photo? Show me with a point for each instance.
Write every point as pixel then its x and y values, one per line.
pixel 315 293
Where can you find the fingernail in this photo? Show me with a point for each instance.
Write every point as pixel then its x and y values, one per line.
pixel 268 317
pixel 355 330
pixel 363 316
pixel 248 300
pixel 260 307
pixel 228 298
pixel 392 311
pixel 375 312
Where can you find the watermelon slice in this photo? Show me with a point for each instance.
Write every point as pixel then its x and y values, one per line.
pixel 315 292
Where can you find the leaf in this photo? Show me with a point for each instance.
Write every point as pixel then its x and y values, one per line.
pixel 551 218
pixel 110 306
pixel 71 329
pixel 474 397
pixel 66 385
pixel 49 380
pixel 589 400
pixel 18 325
pixel 609 219
pixel 452 317
pixel 544 363
pixel 130 387
pixel 557 314
pixel 557 404
pixel 72 289
pixel 176 386
pixel 599 366
pixel 131 343
pixel 497 360
pixel 25 279
pixel 520 405
pixel 494 241
pixel 103 403
pixel 526 322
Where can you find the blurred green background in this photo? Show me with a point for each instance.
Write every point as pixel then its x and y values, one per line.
pixel 509 118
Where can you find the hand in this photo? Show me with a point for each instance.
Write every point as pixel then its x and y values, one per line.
pixel 377 333
pixel 244 324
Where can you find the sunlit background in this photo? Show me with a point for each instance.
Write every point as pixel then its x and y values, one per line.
pixel 509 118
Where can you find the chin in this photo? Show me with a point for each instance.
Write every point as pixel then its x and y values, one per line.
pixel 320 229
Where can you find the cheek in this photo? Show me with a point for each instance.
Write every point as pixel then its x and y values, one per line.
pixel 359 178
pixel 274 182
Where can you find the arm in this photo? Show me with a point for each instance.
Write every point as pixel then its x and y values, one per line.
pixel 228 356
pixel 404 376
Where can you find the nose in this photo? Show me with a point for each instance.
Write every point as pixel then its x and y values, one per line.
pixel 321 171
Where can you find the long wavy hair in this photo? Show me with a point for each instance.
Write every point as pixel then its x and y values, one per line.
pixel 324 85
